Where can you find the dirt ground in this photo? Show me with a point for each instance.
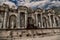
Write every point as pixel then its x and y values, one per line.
pixel 55 37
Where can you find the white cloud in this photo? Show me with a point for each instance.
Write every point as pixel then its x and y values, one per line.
pixel 44 4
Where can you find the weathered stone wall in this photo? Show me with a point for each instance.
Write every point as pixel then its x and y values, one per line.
pixel 14 23
pixel 23 18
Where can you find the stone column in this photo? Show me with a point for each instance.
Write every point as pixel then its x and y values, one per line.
pixel 47 23
pixel 18 21
pixel 41 20
pixel 25 19
pixel 5 20
pixel 54 20
pixel 36 19
pixel 5 16
pixel 50 22
pixel 54 24
pixel 1 19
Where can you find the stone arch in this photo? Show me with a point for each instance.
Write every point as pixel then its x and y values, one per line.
pixel 12 21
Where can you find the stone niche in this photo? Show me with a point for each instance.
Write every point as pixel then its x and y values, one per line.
pixel 12 19
pixel 23 13
pixel 38 18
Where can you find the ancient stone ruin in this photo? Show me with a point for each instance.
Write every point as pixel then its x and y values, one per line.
pixel 26 18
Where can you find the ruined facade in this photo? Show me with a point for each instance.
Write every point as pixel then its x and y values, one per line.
pixel 24 17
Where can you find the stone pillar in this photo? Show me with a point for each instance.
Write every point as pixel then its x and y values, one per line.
pixel 47 23
pixel 25 19
pixel 41 20
pixel 54 24
pixel 18 21
pixel 5 20
pixel 5 7
pixel 50 22
pixel 36 19
pixel 54 20
pixel 1 20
